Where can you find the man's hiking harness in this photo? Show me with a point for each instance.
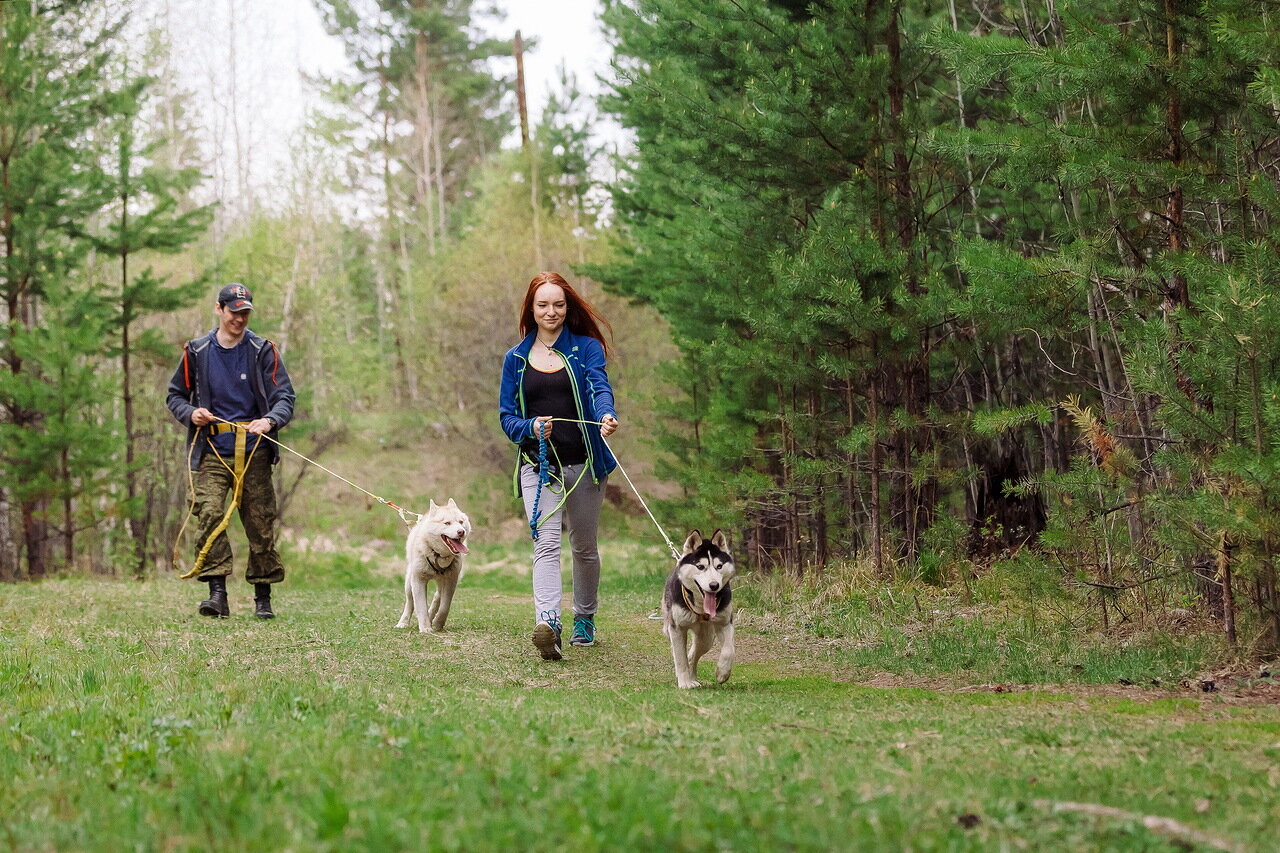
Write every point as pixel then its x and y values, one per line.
pixel 226 426
pixel 240 464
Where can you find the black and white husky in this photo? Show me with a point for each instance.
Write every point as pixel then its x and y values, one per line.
pixel 434 552
pixel 697 599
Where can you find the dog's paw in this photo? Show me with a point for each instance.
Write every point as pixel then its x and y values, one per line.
pixel 402 624
pixel 689 685
pixel 722 677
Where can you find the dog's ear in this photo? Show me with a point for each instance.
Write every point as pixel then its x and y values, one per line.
pixel 718 539
pixel 691 544
pixel 452 505
pixel 431 510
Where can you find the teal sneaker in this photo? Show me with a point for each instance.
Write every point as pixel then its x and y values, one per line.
pixel 546 638
pixel 584 631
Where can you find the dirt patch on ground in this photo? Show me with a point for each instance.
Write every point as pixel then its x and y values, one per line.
pixel 1229 688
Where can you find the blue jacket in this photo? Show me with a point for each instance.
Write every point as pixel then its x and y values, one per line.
pixel 591 392
pixel 272 388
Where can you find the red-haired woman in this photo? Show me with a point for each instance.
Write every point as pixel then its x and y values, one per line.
pixel 556 374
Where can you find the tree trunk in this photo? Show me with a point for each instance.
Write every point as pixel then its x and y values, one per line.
pixel 388 271
pixel 1178 296
pixel 968 159
pixel 137 525
pixel 68 515
pixel 531 151
pixel 424 132
pixel 917 503
pixel 850 475
pixel 1225 549
pixel 877 524
pixel 8 553
pixel 1268 602
pixel 35 534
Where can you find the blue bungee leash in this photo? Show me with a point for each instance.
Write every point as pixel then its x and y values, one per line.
pixel 544 478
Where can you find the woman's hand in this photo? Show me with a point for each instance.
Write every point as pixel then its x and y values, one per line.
pixel 542 427
pixel 608 425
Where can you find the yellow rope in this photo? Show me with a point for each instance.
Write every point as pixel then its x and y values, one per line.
pixel 241 463
pixel 407 516
pixel 191 508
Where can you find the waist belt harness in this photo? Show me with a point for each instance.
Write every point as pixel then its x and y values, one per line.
pixel 239 465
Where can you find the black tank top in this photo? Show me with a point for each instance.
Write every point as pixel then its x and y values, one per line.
pixel 552 394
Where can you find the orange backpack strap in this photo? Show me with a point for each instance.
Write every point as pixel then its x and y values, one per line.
pixel 275 368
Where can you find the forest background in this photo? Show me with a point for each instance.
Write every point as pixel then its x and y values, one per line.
pixel 941 291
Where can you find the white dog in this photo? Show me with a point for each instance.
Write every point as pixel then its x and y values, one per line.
pixel 697 599
pixel 434 552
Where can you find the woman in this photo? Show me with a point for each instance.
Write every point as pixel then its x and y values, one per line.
pixel 554 385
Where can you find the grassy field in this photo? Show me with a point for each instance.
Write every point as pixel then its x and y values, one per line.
pixel 127 722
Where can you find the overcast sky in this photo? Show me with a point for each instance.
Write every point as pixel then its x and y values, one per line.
pixel 259 48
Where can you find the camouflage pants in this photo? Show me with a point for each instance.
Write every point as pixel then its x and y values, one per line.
pixel 257 513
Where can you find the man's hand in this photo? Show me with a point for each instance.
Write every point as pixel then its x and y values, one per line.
pixel 608 425
pixel 202 417
pixel 261 426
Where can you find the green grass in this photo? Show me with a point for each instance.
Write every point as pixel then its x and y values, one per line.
pixel 917 630
pixel 128 722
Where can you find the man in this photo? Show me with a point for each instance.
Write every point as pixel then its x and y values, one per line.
pixel 230 389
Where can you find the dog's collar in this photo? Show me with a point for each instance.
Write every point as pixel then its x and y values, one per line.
pixel 453 561
pixel 696 607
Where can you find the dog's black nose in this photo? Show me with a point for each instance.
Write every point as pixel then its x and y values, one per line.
pixel 713 586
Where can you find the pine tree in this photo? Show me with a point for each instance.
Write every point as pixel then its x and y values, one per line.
pixel 565 136
pixel 51 82
pixel 419 65
pixel 777 213
pixel 71 457
pixel 149 214
pixel 1134 132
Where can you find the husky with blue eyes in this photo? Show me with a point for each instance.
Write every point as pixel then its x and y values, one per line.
pixel 697 600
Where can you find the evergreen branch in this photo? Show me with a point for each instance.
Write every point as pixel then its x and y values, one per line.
pixel 1118 507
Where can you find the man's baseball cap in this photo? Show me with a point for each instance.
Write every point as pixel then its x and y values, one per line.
pixel 236 297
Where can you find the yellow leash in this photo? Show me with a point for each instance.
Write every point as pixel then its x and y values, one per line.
pixel 241 465
pixel 409 517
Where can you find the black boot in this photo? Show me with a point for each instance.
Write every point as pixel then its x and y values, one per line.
pixel 216 603
pixel 262 601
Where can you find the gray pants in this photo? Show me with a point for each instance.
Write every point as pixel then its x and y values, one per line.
pixel 581 512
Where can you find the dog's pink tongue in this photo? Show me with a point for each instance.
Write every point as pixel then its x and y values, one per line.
pixel 457 546
pixel 709 605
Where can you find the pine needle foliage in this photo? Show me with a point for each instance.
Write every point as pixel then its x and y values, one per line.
pixel 1011 267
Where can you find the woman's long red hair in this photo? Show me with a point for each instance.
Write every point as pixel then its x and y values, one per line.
pixel 579 316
